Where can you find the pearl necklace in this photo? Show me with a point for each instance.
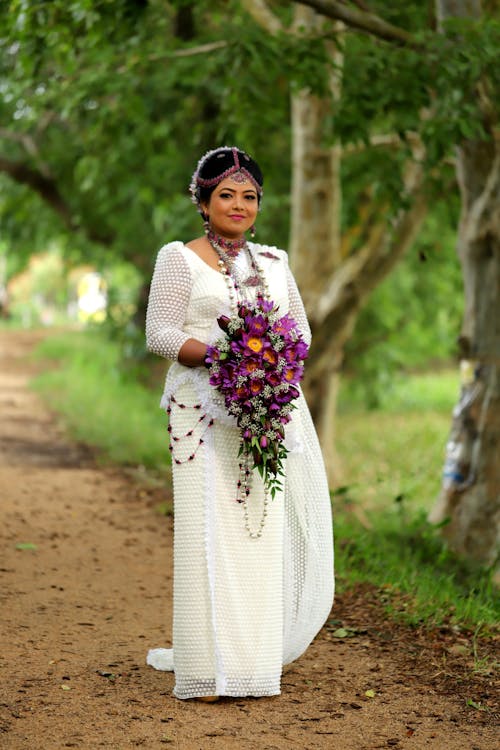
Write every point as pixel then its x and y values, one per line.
pixel 236 287
pixel 245 481
pixel 236 282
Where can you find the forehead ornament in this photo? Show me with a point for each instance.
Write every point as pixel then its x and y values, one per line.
pixel 239 177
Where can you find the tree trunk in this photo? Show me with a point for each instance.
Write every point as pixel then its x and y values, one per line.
pixel 470 496
pixel 315 231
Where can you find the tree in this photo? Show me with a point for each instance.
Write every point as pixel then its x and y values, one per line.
pixel 471 497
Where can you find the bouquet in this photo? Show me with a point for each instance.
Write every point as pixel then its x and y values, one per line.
pixel 256 367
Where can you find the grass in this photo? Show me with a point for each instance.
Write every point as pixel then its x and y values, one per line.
pixel 100 404
pixel 392 462
pixel 419 580
pixel 389 455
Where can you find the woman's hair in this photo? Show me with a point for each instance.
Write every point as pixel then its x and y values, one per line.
pixel 216 165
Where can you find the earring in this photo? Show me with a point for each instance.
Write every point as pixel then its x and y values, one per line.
pixel 252 231
pixel 206 225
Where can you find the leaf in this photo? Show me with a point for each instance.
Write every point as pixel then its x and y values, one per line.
pixel 343 490
pixel 26 545
pixel 341 633
pixel 370 693
pixel 346 632
pixel 65 687
pixel 476 704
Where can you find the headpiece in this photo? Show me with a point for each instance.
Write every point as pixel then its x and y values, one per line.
pixel 219 163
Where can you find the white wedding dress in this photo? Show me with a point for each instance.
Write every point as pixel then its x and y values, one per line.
pixel 243 607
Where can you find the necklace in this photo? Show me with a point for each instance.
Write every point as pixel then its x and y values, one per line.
pixel 231 247
pixel 239 281
pixel 244 489
pixel 238 288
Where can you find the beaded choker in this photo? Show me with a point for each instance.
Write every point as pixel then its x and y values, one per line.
pixel 231 247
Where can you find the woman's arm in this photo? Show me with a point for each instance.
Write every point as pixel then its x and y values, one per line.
pixel 168 301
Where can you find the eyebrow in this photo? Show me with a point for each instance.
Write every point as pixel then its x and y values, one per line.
pixel 246 190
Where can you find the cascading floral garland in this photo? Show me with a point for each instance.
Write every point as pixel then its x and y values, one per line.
pixel 256 367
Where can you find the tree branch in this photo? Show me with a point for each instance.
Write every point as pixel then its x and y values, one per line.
pixel 48 191
pixel 363 270
pixel 340 303
pixel 201 49
pixel 382 140
pixel 27 143
pixel 362 20
pixel 263 15
pixel 44 186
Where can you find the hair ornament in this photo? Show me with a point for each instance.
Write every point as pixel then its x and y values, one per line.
pixel 238 172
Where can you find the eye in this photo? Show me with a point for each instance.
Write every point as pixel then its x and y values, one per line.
pixel 225 195
pixel 251 197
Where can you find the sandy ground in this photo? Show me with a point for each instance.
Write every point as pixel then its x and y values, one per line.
pixel 91 592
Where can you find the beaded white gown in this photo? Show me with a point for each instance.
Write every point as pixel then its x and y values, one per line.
pixel 243 606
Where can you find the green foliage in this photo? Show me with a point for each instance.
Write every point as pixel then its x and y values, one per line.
pixel 101 404
pixel 394 86
pixel 98 96
pixel 412 317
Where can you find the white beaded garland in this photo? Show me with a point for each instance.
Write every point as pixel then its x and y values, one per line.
pixel 235 292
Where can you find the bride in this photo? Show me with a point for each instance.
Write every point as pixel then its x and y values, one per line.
pixel 253 580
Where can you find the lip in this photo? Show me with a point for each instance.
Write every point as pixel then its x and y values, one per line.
pixel 236 217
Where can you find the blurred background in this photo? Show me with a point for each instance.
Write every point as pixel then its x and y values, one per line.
pixel 373 126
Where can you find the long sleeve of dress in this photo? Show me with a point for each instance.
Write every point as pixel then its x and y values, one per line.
pixel 296 306
pixel 168 301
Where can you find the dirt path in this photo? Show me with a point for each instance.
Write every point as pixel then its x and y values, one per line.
pixel 79 611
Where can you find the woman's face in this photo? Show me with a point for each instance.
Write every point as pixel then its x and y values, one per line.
pixel 232 208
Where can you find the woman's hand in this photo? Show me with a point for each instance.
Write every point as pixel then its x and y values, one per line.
pixel 192 353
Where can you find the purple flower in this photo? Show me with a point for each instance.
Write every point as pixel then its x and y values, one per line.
pixel 223 322
pixel 212 355
pixel 247 366
pixel 293 374
pixel 215 379
pixel 273 378
pixel 256 386
pixel 253 343
pixel 298 351
pixel 284 325
pixel 266 305
pixel 233 372
pixel 256 325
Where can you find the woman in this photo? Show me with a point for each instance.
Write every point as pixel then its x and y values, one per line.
pixel 253 580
